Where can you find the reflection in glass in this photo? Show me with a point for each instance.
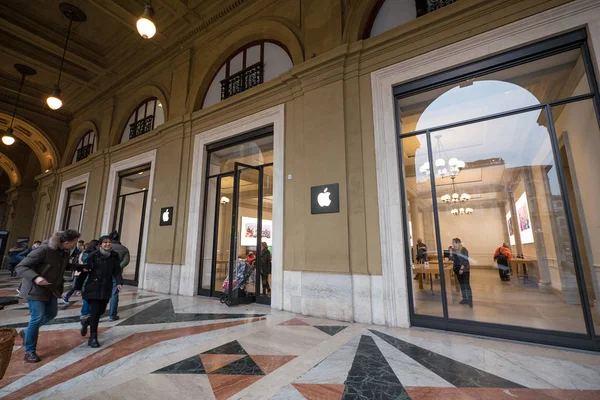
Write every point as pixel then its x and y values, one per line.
pixel 223 232
pixel 576 126
pixel 211 207
pixel 254 153
pixel 547 79
pixel 424 261
pixel 512 182
pixel 267 232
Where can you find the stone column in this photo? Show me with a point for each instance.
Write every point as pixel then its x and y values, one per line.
pixel 21 208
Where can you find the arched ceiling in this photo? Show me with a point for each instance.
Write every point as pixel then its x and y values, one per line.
pixel 37 141
pixel 104 52
pixel 11 170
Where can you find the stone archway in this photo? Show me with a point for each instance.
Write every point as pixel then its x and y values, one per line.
pixel 36 139
pixel 357 20
pixel 268 29
pixel 11 170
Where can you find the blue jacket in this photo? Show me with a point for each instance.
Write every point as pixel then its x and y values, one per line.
pixel 19 257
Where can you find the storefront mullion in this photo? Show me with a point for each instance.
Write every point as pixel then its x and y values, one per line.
pixel 479 156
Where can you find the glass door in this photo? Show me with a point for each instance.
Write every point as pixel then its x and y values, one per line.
pixel 246 224
pixel 130 213
pixel 74 208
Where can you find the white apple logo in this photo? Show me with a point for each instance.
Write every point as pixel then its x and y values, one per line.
pixel 323 198
pixel 165 216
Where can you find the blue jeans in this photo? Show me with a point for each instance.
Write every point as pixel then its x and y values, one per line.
pixel 86 309
pixel 41 313
pixel 114 300
pixel 72 290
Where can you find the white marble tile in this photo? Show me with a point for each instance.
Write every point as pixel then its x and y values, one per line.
pixel 334 369
pixel 327 296
pixel 362 299
pixel 158 277
pixel 158 386
pixel 288 393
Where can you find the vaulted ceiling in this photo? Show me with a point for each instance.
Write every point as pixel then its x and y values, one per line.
pixel 103 51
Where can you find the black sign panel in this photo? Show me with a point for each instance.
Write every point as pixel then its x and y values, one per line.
pixel 166 216
pixel 325 199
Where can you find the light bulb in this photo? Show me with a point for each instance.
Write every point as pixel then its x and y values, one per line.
pixel 145 25
pixel 440 162
pixel 469 210
pixel 8 139
pixel 54 101
pixel 454 211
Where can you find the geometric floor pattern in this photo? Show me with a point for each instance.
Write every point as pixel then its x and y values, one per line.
pixel 172 347
pixel 229 367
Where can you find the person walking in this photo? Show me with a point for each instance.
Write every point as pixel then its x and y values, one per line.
pixel 12 257
pixel 421 251
pixel 79 276
pixel 83 258
pixel 265 268
pixel 103 268
pixel 502 256
pixel 462 270
pixel 42 284
pixel 123 253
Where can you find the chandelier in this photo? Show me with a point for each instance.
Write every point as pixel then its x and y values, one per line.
pixel 456 198
pixel 443 168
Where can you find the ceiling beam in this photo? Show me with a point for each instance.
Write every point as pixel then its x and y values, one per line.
pixel 40 34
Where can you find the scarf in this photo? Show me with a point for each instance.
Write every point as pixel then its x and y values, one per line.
pixel 103 252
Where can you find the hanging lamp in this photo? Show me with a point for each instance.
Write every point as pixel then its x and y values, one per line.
pixel 73 14
pixel 145 25
pixel 25 71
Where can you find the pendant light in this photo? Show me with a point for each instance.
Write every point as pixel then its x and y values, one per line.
pixel 8 137
pixel 73 14
pixel 145 24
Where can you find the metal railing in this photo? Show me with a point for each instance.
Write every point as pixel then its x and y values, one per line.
pixel 140 127
pixel 84 152
pixel 241 81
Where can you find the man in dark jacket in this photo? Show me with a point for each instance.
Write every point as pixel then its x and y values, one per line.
pixel 123 253
pixel 12 257
pixel 42 283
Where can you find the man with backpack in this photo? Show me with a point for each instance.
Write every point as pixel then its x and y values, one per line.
pixel 502 256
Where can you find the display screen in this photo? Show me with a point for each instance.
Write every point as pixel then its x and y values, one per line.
pixel 524 219
pixel 249 230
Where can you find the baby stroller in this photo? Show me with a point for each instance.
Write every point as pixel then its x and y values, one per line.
pixel 240 279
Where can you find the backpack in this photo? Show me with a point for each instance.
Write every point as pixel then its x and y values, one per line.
pixel 502 259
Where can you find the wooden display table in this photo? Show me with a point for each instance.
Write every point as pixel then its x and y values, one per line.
pixel 527 265
pixel 433 269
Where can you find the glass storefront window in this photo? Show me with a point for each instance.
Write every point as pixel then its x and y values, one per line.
pixel 507 185
pixel 255 152
pixel 544 80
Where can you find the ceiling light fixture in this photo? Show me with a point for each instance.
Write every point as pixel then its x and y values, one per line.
pixel 443 168
pixel 73 14
pixel 145 24
pixel 8 137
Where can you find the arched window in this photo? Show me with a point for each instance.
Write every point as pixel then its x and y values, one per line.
pixel 388 14
pixel 145 118
pixel 250 66
pixel 86 146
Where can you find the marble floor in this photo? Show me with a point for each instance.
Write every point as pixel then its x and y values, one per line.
pixel 517 302
pixel 172 347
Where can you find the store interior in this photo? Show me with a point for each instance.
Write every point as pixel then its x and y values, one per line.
pixel 254 160
pixel 496 181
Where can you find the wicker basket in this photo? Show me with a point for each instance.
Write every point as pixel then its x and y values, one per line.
pixel 7 341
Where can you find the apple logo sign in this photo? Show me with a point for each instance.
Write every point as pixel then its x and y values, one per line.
pixel 166 216
pixel 323 198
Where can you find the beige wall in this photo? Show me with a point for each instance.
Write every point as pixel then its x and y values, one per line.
pixel 328 122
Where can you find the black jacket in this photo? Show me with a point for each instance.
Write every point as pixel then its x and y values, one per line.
pixel 50 261
pixel 265 262
pixel 102 270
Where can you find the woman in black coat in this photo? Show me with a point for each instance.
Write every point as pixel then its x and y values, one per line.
pixel 102 265
pixel 265 267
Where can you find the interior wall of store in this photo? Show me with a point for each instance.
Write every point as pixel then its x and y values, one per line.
pixel 332 264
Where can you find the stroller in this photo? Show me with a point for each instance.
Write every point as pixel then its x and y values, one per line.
pixel 242 274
